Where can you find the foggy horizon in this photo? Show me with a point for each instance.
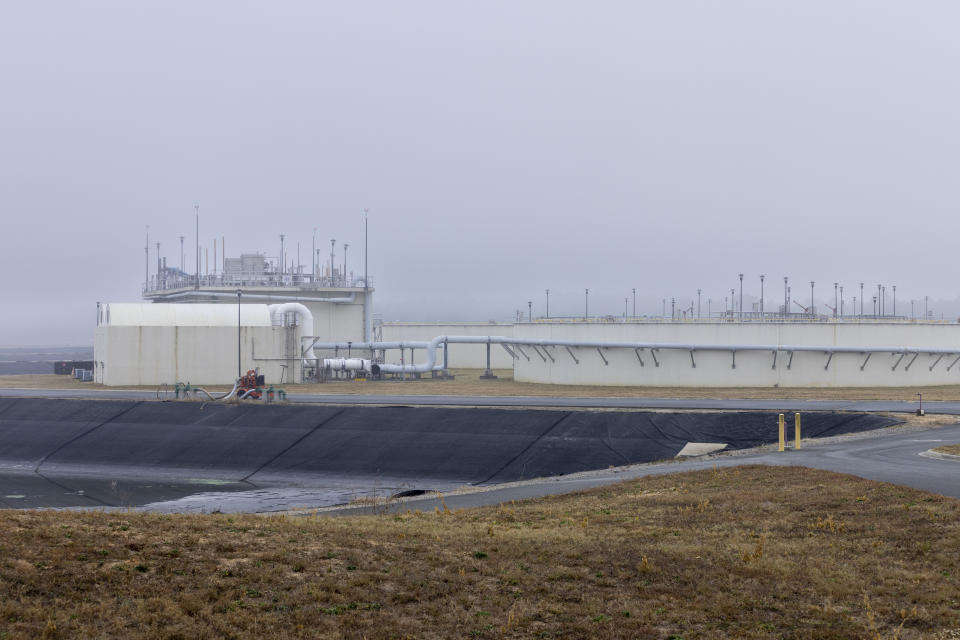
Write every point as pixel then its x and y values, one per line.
pixel 502 149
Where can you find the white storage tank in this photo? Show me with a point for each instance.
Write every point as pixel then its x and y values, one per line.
pixel 148 344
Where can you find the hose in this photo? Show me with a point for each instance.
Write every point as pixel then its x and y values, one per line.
pixel 207 393
pixel 164 390
pixel 231 392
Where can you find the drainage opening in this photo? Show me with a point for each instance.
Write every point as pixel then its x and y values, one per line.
pixel 409 493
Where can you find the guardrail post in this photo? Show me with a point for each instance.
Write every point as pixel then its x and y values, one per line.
pixel 782 445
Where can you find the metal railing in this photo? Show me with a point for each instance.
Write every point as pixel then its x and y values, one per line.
pixel 178 282
pixel 754 320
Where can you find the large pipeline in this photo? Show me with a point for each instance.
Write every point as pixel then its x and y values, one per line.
pixel 431 348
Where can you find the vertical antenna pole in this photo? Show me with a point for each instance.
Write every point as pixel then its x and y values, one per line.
pixel 333 243
pixel 146 263
pixel 196 208
pixel 366 274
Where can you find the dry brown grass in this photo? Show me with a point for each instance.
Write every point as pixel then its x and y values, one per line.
pixel 44 381
pixel 952 449
pixel 749 552
pixel 468 382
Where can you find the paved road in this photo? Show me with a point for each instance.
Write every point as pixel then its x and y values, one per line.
pixel 952 408
pixel 891 458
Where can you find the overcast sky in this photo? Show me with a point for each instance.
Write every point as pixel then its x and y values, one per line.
pixel 502 148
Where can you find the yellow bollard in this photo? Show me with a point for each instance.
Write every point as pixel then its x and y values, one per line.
pixel 796 420
pixel 782 434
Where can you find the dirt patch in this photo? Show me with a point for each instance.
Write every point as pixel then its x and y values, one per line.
pixel 951 449
pixel 746 552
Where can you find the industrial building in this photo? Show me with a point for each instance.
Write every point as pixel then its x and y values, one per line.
pixel 249 312
pixel 149 344
pixel 341 304
pixel 706 353
pixel 743 354
pixel 294 326
pixel 154 344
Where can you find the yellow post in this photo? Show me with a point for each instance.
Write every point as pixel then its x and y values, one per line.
pixel 796 420
pixel 782 434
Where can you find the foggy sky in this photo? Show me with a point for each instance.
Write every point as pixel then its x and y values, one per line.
pixel 502 148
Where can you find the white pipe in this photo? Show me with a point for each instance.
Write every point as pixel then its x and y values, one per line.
pixel 346 364
pixel 405 344
pixel 197 390
pixel 277 312
pixel 229 395
pixel 431 348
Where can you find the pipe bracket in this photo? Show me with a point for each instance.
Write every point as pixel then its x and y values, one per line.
pixel 897 363
pixel 953 363
pixel 937 361
pixel 909 364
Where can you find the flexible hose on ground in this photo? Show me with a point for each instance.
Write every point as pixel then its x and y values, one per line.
pixel 164 390
pixel 197 390
pixel 230 394
pixel 223 397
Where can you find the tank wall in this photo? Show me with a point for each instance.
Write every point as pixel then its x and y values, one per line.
pixel 337 321
pixel 148 356
pixel 747 368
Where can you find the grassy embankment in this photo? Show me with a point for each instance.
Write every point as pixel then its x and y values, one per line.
pixel 743 552
pixel 952 449
pixel 468 382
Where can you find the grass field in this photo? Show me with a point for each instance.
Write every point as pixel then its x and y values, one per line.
pixel 468 382
pixel 750 552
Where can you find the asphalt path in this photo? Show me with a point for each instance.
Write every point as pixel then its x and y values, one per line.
pixel 890 457
pixel 880 406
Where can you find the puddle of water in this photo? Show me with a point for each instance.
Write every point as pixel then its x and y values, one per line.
pixel 265 500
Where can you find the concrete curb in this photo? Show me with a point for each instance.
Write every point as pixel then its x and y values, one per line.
pixel 930 453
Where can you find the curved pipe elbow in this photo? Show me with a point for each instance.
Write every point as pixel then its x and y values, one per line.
pixel 277 312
